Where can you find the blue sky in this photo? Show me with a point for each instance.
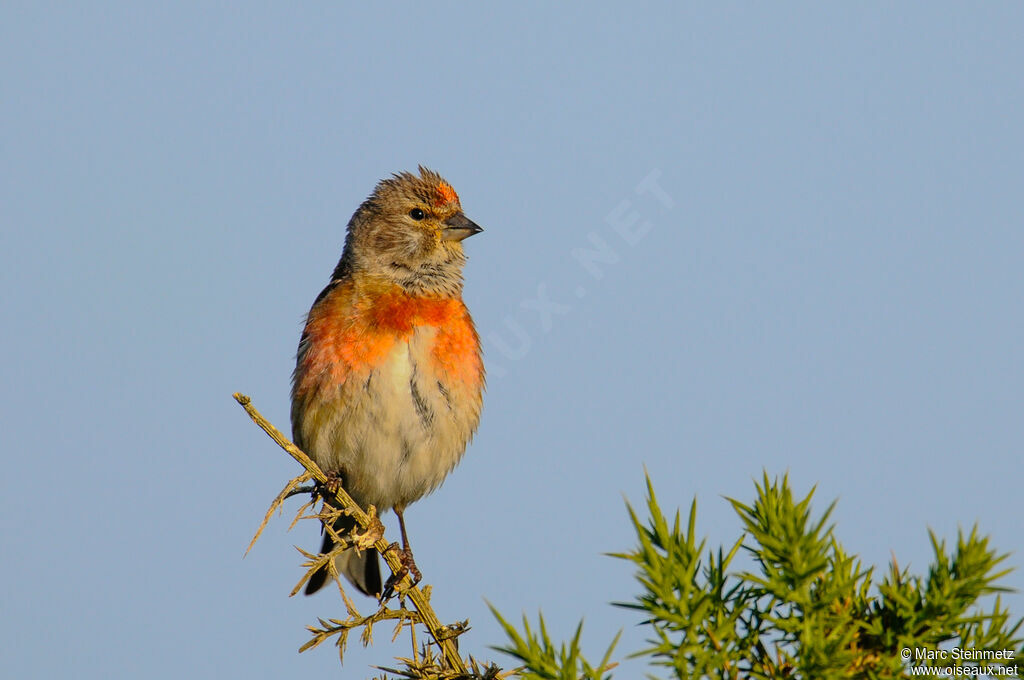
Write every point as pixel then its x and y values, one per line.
pixel 827 279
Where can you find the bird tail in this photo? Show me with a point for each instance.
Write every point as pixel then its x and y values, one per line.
pixel 362 569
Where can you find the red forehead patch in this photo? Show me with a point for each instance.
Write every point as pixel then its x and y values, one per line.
pixel 445 195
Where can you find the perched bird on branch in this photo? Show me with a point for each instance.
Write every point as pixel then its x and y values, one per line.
pixel 389 377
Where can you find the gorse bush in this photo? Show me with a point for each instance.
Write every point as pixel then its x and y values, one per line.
pixel 808 611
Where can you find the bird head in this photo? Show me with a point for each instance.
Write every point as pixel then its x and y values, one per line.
pixel 410 231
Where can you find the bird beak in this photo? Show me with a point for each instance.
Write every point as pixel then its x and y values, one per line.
pixel 458 227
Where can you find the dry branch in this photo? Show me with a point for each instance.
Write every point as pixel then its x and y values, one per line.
pixel 441 634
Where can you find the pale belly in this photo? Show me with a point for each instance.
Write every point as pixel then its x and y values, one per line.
pixel 395 435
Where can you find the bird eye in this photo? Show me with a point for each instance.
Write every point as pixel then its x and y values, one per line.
pixel 417 214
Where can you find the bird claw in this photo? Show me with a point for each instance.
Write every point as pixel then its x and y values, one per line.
pixel 333 483
pixel 409 568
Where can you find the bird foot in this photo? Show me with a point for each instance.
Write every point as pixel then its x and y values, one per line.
pixel 409 568
pixel 333 483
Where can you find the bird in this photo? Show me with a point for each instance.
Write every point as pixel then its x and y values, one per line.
pixel 389 377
